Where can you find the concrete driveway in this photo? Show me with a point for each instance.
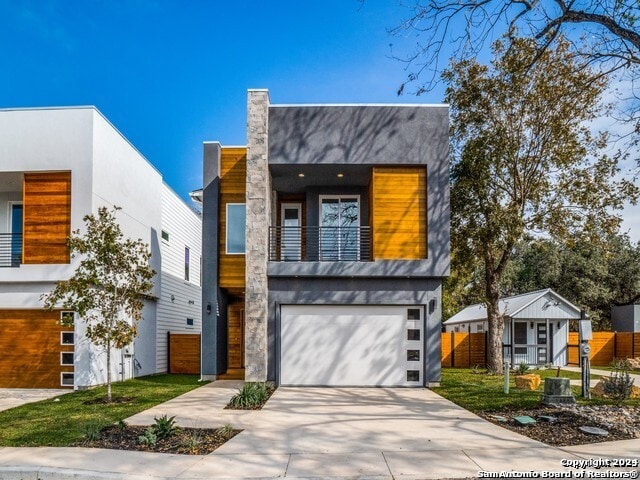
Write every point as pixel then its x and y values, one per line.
pixel 14 397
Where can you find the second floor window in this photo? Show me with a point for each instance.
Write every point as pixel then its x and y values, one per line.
pixel 236 225
pixel 187 253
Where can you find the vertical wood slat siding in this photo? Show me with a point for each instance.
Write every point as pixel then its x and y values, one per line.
pixel 30 349
pixel 235 356
pixel 233 178
pixel 47 217
pixel 399 213
pixel 184 353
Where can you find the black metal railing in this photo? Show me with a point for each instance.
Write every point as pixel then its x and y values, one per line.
pixel 10 249
pixel 320 244
pixel 529 354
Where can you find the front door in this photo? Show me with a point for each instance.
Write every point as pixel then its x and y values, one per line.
pixel 541 340
pixel 291 245
pixel 339 228
pixel 235 355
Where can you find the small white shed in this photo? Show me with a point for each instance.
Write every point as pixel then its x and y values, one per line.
pixel 536 326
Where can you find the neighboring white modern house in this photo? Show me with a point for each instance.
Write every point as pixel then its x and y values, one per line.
pixel 536 326
pixel 56 166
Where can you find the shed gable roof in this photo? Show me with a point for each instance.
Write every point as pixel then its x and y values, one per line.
pixel 514 305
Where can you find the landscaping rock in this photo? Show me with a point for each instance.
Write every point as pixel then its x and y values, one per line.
pixel 634 363
pixel 530 381
pixel 548 418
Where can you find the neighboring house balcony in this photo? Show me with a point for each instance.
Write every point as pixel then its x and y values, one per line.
pixel 10 249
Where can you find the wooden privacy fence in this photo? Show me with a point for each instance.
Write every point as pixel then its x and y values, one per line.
pixel 605 346
pixel 464 349
pixel 184 353
pixel 469 349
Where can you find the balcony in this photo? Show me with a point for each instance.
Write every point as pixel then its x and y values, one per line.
pixel 320 244
pixel 10 249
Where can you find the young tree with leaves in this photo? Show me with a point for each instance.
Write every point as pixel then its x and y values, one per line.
pixel 524 161
pixel 107 289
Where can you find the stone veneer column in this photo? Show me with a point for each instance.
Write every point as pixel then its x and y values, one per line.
pixel 257 241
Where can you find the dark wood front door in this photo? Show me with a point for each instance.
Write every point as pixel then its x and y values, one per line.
pixel 235 359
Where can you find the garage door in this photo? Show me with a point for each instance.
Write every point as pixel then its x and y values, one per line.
pixel 351 345
pixel 35 350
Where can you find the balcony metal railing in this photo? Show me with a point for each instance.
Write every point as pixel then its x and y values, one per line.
pixel 530 354
pixel 10 249
pixel 320 244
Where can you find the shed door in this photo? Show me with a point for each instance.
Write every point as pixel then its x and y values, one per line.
pixel 365 345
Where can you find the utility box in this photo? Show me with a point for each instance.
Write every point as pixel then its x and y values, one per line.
pixel 625 318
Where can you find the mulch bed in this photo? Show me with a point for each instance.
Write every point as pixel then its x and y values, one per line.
pixel 622 423
pixel 186 441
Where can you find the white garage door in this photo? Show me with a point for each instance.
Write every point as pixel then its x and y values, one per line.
pixel 351 345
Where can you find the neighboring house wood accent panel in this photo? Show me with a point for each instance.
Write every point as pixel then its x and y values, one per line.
pixel 399 213
pixel 47 217
pixel 233 179
pixel 30 342
pixel 184 356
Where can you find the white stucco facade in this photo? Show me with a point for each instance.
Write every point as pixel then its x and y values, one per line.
pixel 106 170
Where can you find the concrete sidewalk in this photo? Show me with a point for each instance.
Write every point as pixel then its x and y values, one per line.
pixel 605 373
pixel 318 433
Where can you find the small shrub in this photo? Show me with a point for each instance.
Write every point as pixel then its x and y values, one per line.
pixel 165 427
pixel 477 369
pixel 618 386
pixel 225 431
pixel 92 431
pixel 121 424
pixel 193 440
pixel 149 438
pixel 251 395
pixel 522 369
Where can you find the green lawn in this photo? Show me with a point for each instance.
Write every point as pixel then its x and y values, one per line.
pixel 63 422
pixel 481 392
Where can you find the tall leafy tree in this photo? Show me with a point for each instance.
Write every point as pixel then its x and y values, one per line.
pixel 108 287
pixel 523 160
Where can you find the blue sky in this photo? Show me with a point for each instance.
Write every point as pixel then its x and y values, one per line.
pixel 173 74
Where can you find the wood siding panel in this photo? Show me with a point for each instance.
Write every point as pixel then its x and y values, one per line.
pixel 624 345
pixel 399 213
pixel 233 179
pixel 184 356
pixel 30 349
pixel 47 217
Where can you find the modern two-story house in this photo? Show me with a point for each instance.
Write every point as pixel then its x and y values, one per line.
pixel 326 242
pixel 56 166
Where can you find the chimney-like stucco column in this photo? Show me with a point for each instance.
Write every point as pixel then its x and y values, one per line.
pixel 257 236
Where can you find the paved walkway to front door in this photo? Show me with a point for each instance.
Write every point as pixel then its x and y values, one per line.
pixel 14 397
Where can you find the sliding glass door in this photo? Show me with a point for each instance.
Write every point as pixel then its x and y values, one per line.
pixel 339 228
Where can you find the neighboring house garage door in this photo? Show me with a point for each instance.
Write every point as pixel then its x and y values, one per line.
pixel 351 345
pixel 35 350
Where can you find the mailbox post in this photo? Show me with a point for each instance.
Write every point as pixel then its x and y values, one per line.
pixel 585 351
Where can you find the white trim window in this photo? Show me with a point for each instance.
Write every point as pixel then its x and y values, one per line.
pixel 67 338
pixel 66 358
pixel 236 228
pixel 66 379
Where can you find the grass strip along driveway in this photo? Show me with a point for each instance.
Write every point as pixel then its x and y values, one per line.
pixel 65 420
pixel 480 392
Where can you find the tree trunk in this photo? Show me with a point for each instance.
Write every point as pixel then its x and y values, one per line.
pixel 495 321
pixel 109 373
